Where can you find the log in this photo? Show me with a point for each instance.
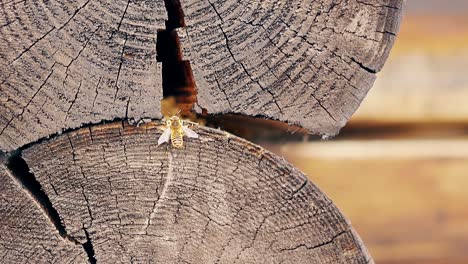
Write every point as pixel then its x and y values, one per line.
pixel 219 200
pixel 307 63
pixel 81 183
pixel 67 64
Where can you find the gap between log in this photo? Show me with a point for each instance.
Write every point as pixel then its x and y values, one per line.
pixel 179 88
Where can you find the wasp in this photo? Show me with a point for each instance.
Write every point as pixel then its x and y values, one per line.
pixel 176 130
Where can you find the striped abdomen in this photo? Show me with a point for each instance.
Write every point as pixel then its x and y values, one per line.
pixel 177 139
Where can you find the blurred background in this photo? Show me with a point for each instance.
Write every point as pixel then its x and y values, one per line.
pixel 399 170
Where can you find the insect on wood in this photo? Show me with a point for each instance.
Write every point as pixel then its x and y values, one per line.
pixel 175 131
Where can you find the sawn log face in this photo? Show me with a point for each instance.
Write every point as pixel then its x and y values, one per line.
pixel 220 199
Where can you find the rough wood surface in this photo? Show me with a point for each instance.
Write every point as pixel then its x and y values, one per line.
pixel 219 200
pixel 310 63
pixel 26 235
pixel 64 64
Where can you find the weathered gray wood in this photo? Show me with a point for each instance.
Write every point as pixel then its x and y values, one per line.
pixel 310 63
pixel 26 234
pixel 219 200
pixel 64 64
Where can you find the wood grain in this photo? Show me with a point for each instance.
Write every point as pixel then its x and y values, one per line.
pixel 219 200
pixel 69 63
pixel 26 234
pixel 308 63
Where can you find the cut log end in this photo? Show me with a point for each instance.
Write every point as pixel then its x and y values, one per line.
pixel 122 197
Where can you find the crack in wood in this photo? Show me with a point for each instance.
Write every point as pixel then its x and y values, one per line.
pixel 123 15
pixel 96 92
pixel 116 85
pixel 177 76
pixel 162 195
pixel 379 6
pixel 8 23
pixel 366 68
pixel 175 14
pixel 312 45
pixel 88 247
pixel 32 45
pixel 73 101
pixel 30 100
pixel 325 243
pixel 332 52
pixel 19 171
pixel 74 14
pixel 274 97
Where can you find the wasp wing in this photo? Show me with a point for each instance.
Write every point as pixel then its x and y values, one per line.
pixel 166 135
pixel 189 132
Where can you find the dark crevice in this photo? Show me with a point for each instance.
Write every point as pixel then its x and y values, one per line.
pixel 363 66
pixel 177 77
pixel 303 185
pixel 89 249
pixel 175 15
pixel 325 243
pixel 20 171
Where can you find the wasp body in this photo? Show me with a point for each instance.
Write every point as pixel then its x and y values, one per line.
pixel 175 131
